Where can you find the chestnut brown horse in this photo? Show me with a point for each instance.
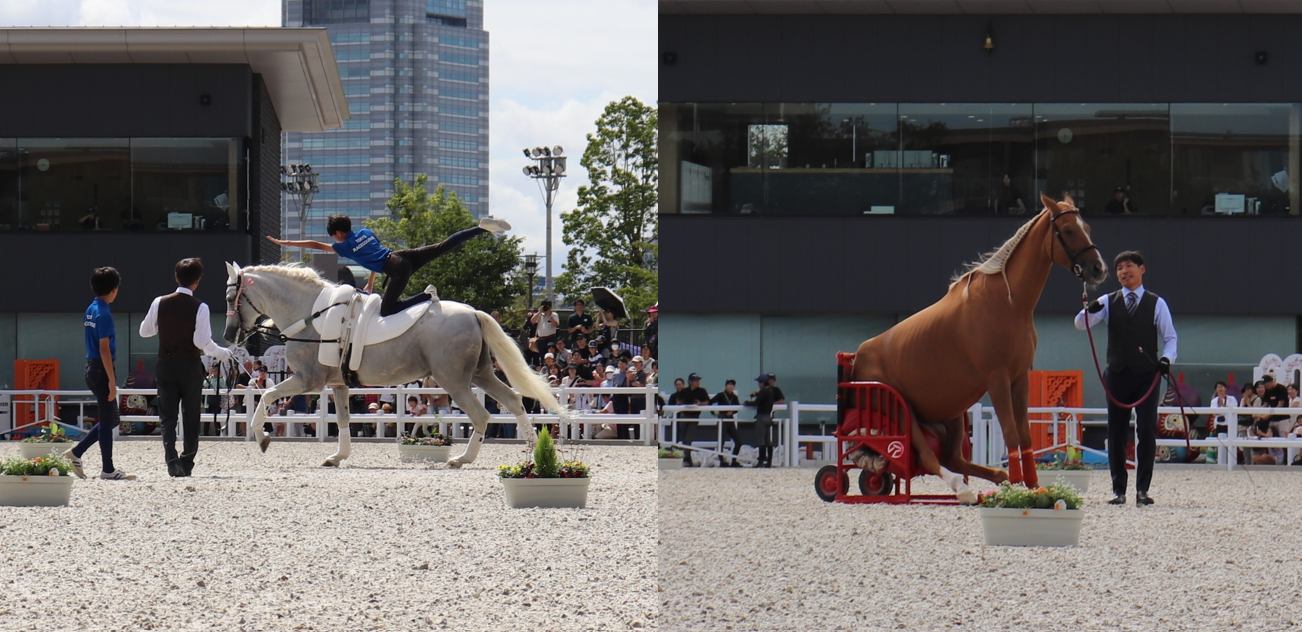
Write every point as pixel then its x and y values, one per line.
pixel 980 338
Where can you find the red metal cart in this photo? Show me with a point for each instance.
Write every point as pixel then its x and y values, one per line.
pixel 873 416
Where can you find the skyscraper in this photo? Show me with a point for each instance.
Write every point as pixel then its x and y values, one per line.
pixel 415 73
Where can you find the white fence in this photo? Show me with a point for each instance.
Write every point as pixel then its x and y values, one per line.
pixel 988 446
pixel 581 424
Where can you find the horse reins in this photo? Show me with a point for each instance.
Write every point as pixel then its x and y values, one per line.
pixel 1071 254
pixel 245 333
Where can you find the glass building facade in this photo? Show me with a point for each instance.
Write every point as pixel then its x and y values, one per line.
pixel 980 158
pixel 145 184
pixel 415 73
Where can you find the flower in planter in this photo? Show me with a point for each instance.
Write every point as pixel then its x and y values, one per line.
pixel 669 453
pixel 545 464
pixel 1010 496
pixel 435 440
pixel 48 465
pixel 1068 461
pixel 52 434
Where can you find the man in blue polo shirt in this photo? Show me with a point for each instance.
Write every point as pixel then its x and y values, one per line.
pixel 101 350
pixel 365 248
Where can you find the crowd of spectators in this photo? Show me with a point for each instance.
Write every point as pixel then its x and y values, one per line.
pixel 1264 393
pixel 764 398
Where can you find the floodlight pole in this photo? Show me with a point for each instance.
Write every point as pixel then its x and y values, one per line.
pixel 300 184
pixel 548 170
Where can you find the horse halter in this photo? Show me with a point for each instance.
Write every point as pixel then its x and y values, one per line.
pixel 1071 254
pixel 244 333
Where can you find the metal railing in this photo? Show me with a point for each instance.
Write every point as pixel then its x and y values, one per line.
pixel 584 422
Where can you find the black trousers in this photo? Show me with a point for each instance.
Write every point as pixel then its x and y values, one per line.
pixel 1128 387
pixel 730 433
pixel 401 264
pixel 686 428
pixel 764 425
pixel 107 409
pixel 179 385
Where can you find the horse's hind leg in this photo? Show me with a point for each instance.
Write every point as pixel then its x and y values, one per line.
pixel 466 400
pixel 504 395
pixel 931 465
pixel 956 430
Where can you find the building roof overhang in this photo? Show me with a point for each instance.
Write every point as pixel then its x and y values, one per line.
pixel 297 64
pixel 978 7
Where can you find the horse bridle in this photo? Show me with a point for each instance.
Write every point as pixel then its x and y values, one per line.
pixel 245 333
pixel 1071 254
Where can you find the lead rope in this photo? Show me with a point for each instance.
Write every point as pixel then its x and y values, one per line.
pixel 1085 299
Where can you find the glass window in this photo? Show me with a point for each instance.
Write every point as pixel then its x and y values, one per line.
pixel 450 8
pixel 459 75
pixel 74 184
pixel 459 93
pixel 337 11
pixel 1111 157
pixel 463 42
pixel 185 183
pixel 456 58
pixel 1232 158
pixel 951 163
pixel 8 185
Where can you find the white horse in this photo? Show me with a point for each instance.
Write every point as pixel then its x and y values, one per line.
pixel 451 342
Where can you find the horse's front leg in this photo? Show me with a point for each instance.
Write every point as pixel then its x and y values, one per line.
pixel 955 432
pixel 465 400
pixel 1021 392
pixel 342 421
pixel 1001 396
pixel 295 385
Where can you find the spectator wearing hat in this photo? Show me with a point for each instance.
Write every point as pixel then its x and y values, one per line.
pixel 579 323
pixel 692 394
pixel 1120 203
pixel 728 397
pixel 637 379
pixel 548 324
pixel 763 400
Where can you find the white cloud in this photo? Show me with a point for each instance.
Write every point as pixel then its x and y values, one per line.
pixel 140 13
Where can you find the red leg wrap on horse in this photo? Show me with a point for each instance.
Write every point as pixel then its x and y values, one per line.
pixel 1014 466
pixel 1028 468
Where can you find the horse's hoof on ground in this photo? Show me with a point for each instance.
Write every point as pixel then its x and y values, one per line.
pixel 966 497
pixel 264 442
pixel 330 463
pixel 453 463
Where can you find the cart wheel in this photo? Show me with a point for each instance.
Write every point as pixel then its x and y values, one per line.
pixel 875 483
pixel 826 481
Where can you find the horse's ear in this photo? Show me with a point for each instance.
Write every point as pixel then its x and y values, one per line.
pixel 1066 197
pixel 1048 202
pixel 232 271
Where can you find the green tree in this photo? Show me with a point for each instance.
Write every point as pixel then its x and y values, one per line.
pixel 614 232
pixel 479 274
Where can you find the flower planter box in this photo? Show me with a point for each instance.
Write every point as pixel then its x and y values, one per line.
pixel 35 491
pixel 1080 479
pixel 671 464
pixel 546 492
pixel 1031 527
pixel 419 453
pixel 33 450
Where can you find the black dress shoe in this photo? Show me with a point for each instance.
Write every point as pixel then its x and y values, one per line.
pixel 1118 500
pixel 1141 498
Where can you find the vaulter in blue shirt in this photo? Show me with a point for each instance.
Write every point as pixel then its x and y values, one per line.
pixel 101 350
pixel 365 248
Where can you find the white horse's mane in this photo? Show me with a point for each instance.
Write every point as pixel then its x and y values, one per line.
pixel 993 262
pixel 296 271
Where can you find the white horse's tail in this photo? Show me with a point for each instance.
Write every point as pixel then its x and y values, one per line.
pixel 516 369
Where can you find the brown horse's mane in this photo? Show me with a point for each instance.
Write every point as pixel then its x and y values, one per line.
pixel 993 262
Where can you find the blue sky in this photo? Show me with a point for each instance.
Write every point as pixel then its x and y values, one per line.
pixel 554 64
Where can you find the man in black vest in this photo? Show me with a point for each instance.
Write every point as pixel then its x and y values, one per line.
pixel 184 329
pixel 1139 324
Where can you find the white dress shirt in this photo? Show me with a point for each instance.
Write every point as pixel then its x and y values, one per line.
pixel 1229 419
pixel 1161 318
pixel 202 327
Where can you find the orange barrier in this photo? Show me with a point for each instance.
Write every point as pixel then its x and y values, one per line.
pixel 1054 388
pixel 32 375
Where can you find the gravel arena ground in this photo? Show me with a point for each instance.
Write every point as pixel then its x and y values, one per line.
pixel 757 550
pixel 275 542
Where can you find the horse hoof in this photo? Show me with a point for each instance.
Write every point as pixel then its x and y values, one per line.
pixel 264 442
pixel 453 463
pixel 330 463
pixel 967 497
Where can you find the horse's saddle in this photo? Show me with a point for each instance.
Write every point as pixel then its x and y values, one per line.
pixel 353 318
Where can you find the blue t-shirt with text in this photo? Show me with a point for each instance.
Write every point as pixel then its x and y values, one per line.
pixel 99 325
pixel 363 247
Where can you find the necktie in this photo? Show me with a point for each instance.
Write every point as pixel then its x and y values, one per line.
pixel 1132 302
